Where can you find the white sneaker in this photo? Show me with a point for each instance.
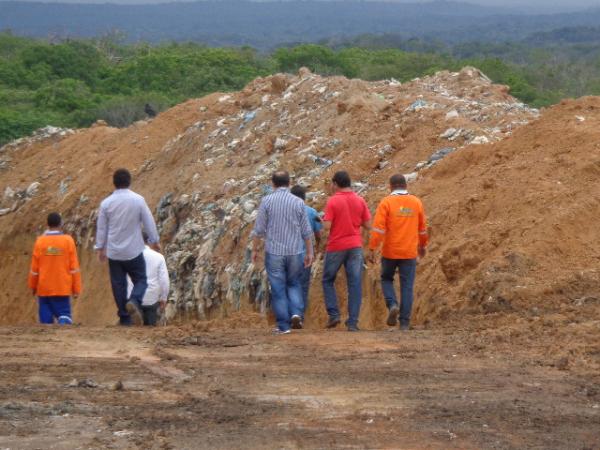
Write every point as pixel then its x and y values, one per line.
pixel 277 331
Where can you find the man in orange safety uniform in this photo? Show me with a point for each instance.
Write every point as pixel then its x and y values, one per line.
pixel 54 275
pixel 400 223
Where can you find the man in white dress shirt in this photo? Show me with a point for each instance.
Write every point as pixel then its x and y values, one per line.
pixel 157 291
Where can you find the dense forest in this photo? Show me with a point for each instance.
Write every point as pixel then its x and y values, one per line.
pixel 75 82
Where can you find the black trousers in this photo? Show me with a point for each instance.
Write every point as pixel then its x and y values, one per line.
pixel 136 269
pixel 150 313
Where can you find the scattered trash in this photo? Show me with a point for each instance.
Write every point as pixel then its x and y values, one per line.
pixel 440 154
pixel 480 140
pixel 451 115
pixel 417 106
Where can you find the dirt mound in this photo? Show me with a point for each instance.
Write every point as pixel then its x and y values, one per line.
pixel 511 196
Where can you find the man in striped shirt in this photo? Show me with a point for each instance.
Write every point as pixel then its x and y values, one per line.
pixel 283 223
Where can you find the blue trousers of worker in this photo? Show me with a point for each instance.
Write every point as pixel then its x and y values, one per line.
pixel 136 269
pixel 55 307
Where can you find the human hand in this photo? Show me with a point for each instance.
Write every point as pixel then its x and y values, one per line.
pixel 155 246
pixel 33 292
pixel 256 257
pixel 162 304
pixel 102 255
pixel 422 252
pixel 308 259
pixel 371 256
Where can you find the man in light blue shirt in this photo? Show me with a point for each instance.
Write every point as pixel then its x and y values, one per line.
pixel 317 226
pixel 119 239
pixel 283 223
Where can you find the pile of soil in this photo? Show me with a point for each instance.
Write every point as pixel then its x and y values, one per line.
pixel 511 195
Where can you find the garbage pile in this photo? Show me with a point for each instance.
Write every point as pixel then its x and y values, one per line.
pixel 312 126
pixel 206 180
pixel 40 135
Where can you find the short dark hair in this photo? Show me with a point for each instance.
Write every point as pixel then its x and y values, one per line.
pixel 281 179
pixel 54 220
pixel 299 191
pixel 122 178
pixel 342 179
pixel 398 181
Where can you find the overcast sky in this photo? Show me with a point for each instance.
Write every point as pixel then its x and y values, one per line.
pixel 541 6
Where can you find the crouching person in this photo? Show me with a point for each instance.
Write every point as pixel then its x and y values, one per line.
pixel 54 275
pixel 157 292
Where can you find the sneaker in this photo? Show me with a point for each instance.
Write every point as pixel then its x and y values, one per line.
pixel 393 316
pixel 333 322
pixel 404 327
pixel 352 328
pixel 135 312
pixel 277 331
pixel 296 322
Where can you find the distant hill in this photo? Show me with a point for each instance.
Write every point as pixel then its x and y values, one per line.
pixel 265 25
pixel 566 35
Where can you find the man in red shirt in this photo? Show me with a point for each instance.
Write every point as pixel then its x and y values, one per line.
pixel 345 214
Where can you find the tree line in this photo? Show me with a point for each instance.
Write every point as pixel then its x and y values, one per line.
pixel 74 82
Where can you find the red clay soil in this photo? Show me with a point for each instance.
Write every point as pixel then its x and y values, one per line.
pixel 506 351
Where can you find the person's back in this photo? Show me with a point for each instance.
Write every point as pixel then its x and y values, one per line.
pixel 54 274
pixel 284 223
pixel 403 219
pixel 347 212
pixel 121 218
pixel 124 212
pixel 157 292
pixel 57 274
pixel 157 277
pixel 401 225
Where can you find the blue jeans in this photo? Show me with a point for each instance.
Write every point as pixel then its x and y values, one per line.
pixel 352 259
pixel 305 283
pixel 55 307
pixel 407 269
pixel 284 272
pixel 136 269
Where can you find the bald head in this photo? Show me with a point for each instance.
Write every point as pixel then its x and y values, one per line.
pixel 397 181
pixel 281 179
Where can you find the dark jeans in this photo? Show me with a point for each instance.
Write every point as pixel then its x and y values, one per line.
pixel 284 273
pixel 352 259
pixel 150 314
pixel 305 283
pixel 407 269
pixel 136 269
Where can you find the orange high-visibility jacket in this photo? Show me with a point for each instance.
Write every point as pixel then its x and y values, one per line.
pixel 401 224
pixel 54 266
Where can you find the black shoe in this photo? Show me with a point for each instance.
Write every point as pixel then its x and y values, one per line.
pixel 352 328
pixel 135 312
pixel 404 327
pixel 296 322
pixel 393 316
pixel 333 322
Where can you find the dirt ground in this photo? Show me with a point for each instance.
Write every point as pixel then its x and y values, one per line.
pixel 182 388
pixel 506 353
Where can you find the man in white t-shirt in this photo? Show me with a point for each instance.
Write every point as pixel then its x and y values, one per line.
pixel 158 285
